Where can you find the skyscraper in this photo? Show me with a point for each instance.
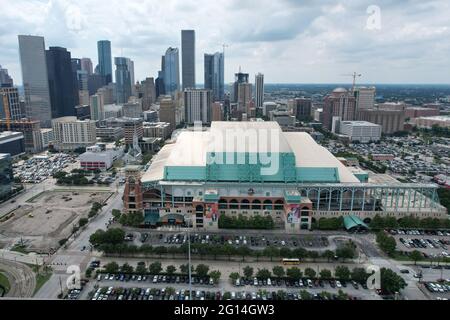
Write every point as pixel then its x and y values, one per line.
pixel 238 78
pixel 340 103
pixel 214 74
pixel 148 93
pixel 167 112
pixel 9 103
pixel 86 65
pixel 104 60
pixel 63 97
pixel 259 90
pixel 171 71
pixel 365 98
pixel 160 87
pixel 123 79
pixel 5 79
pixel 35 79
pixel 188 58
pixel 197 105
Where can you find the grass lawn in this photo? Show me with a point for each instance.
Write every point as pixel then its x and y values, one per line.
pixel 19 248
pixel 4 282
pixel 41 279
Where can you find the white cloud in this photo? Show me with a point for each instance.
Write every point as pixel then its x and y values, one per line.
pixel 288 40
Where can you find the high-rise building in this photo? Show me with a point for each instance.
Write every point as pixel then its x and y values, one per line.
pixel 123 79
pixel 197 105
pixel 188 58
pixel 35 79
pixel 244 96
pixel 340 103
pixel 167 112
pixel 71 133
pixel 365 97
pixel 10 104
pixel 148 92
pixel 214 75
pixel 105 60
pixel 238 78
pixel 63 97
pixel 131 70
pixel 95 82
pixel 171 71
pixel 86 65
pixel 217 112
pixel 259 90
pixel 301 108
pixel 97 106
pixel 5 79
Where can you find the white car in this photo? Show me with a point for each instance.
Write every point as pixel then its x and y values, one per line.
pixel 338 284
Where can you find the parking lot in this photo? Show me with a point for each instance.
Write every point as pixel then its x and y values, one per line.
pixel 432 244
pixel 41 167
pixel 256 241
pixel 440 291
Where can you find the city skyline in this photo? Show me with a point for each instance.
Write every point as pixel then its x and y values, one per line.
pixel 317 48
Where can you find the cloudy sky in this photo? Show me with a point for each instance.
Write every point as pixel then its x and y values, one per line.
pixel 290 41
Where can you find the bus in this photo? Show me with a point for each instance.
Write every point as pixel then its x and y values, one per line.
pixel 290 261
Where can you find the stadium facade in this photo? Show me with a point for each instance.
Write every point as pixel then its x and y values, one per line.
pixel 253 168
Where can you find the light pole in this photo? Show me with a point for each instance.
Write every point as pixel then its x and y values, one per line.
pixel 189 257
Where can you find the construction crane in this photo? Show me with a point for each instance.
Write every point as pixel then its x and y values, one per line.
pixel 354 75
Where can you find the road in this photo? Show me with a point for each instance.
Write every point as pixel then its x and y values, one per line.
pixel 20 277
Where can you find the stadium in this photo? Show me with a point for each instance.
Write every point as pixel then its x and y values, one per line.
pixel 254 169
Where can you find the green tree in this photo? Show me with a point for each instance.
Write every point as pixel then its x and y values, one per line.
pixel 278 271
pixel 202 270
pixel 116 213
pixel 310 273
pixel 248 272
pixel 391 282
pixel 112 267
pixel 305 295
pixel 141 268
pixel 329 255
pixel 359 275
pixel 184 268
pixel 82 222
pixel 126 268
pixel 155 268
pixel 226 296
pixel 263 274
pixel 171 269
pixel 215 275
pixel 294 273
pixel 313 255
pixel 416 256
pixel 342 273
pixel 325 274
pixel 386 243
pixel 234 276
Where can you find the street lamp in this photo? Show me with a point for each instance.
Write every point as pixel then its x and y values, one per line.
pixel 189 256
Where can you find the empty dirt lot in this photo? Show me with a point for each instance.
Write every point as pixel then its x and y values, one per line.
pixel 49 217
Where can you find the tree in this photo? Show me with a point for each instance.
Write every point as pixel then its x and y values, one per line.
pixel 313 255
pixel 116 214
pixel 386 243
pixel 391 282
pixel 215 275
pixel 346 251
pixel 112 267
pixel 155 268
pixel 171 269
pixel 281 294
pixel 184 268
pixel 126 268
pixel 294 273
pixel 416 256
pixel 263 274
pixel 226 296
pixel 325 274
pixel 202 270
pixel 359 275
pixel 141 268
pixel 234 276
pixel 271 252
pixel 342 273
pixel 305 295
pixel 82 222
pixel 329 255
pixel 278 271
pixel 310 273
pixel 248 272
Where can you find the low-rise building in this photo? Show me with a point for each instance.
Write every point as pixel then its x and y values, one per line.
pixel 100 157
pixel 157 130
pixel 110 133
pixel 360 131
pixel 429 122
pixel 150 116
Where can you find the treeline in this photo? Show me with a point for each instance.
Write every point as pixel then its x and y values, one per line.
pixel 329 224
pixel 112 242
pixel 243 222
pixel 379 223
